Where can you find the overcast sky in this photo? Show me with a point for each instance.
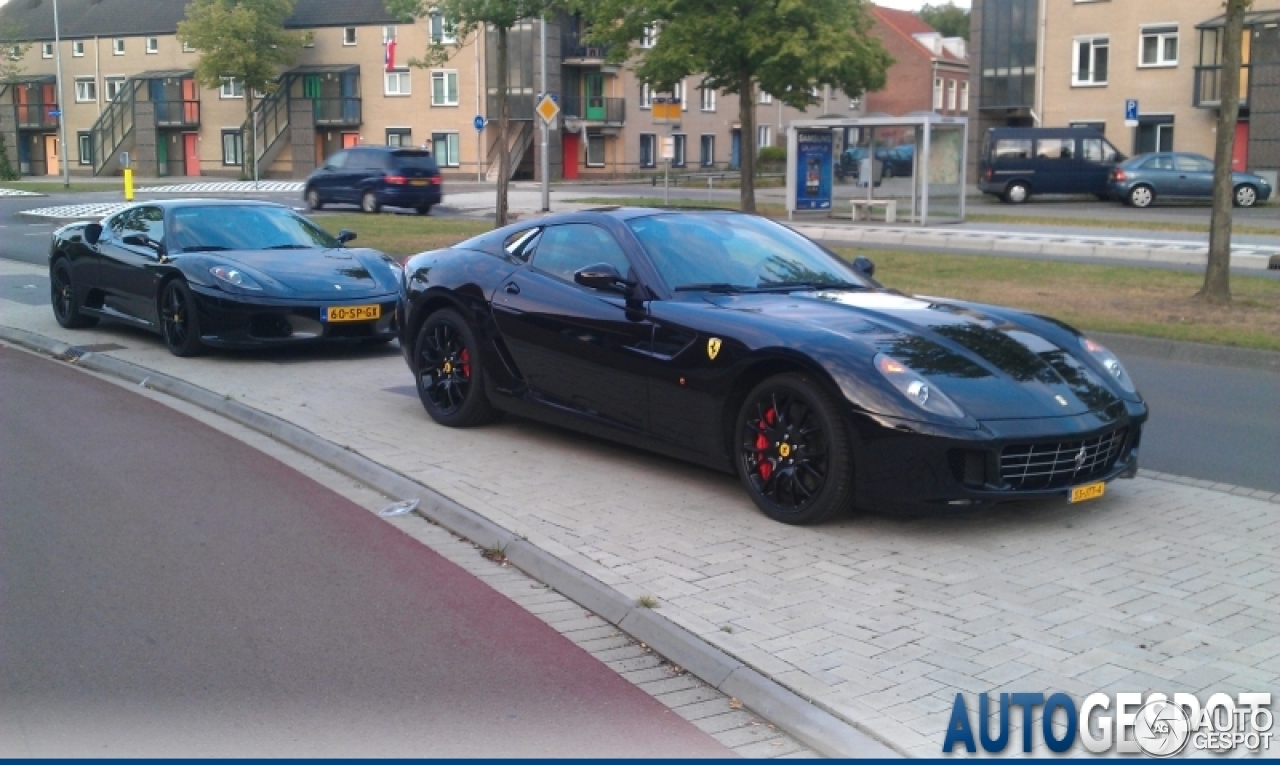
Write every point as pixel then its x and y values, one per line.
pixel 914 5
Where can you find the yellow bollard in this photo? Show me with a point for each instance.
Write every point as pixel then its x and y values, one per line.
pixel 128 184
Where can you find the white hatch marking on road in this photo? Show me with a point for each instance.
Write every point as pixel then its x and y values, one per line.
pixel 19 193
pixel 226 186
pixel 62 212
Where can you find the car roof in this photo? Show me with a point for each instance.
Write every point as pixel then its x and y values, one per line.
pixel 172 204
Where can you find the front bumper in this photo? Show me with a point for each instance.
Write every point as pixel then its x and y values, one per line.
pixel 235 321
pixel 900 467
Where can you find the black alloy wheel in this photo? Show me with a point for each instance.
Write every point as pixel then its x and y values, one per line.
pixel 792 451
pixel 178 320
pixel 424 209
pixel 450 375
pixel 66 309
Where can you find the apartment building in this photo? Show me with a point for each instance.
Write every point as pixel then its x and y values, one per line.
pixel 1077 62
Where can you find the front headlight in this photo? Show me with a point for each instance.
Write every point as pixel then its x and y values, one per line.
pixel 918 390
pixel 1109 362
pixel 236 277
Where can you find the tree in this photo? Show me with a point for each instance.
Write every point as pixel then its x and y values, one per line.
pixel 469 19
pixel 243 39
pixel 787 48
pixel 1217 273
pixel 950 20
pixel 11 67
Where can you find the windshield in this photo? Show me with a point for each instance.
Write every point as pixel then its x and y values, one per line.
pixel 728 252
pixel 251 227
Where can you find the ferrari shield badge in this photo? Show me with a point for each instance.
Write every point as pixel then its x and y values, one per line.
pixel 713 348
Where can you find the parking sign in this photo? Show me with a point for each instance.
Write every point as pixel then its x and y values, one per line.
pixel 1131 113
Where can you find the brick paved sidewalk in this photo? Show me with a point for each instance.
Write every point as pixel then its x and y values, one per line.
pixel 1160 586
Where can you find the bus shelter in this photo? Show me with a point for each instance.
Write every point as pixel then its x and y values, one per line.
pixel 906 169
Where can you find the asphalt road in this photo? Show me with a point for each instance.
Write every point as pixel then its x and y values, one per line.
pixel 168 591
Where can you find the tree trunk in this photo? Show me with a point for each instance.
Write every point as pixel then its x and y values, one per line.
pixel 747 143
pixel 250 147
pixel 1217 274
pixel 504 113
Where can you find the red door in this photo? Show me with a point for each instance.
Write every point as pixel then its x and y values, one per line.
pixel 570 156
pixel 350 139
pixel 1240 152
pixel 191 154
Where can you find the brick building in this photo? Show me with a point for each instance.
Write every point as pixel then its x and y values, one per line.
pixel 930 72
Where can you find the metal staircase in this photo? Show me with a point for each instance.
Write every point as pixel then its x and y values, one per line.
pixel 112 133
pixel 271 116
pixel 520 135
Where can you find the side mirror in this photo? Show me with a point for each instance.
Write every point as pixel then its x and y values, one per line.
pixel 602 276
pixel 345 236
pixel 864 266
pixel 92 233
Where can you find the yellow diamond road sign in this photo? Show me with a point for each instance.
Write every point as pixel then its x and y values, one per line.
pixel 547 109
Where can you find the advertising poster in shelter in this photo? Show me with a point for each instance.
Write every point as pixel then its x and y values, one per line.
pixel 813 169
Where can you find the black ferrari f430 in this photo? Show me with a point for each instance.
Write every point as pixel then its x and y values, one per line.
pixel 222 273
pixel 732 341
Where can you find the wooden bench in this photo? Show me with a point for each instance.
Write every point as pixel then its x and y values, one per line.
pixel 890 208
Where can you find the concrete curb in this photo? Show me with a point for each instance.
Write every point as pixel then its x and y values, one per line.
pixel 807 722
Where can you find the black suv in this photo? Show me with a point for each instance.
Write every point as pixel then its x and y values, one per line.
pixel 373 176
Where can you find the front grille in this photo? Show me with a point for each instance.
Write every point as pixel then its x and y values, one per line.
pixel 1062 463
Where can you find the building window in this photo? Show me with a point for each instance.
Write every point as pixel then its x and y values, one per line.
pixel 708 99
pixel 678 92
pixel 1159 46
pixel 855 104
pixel 388 34
pixel 649 37
pixel 231 88
pixel 77 48
pixel 708 151
pixel 232 148
pixel 442 32
pixel 678 154
pixel 1090 64
pixel 46 50
pixel 187 47
pixel 402 137
pixel 15 53
pixel 396 83
pixel 1155 133
pixel 85 140
pixel 86 90
pixel 764 136
pixel 153 45
pixel 446 148
pixel 646 96
pixel 951 95
pixel 444 88
pixel 348 35
pixel 595 149
pixel 937 93
pixel 117 46
pixel 112 86
pixel 765 98
pixel 648 150
pixel 964 96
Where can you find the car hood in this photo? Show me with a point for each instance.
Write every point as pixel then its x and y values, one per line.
pixel 333 273
pixel 992 367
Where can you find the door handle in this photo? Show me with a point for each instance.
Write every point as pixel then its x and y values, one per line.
pixel 512 288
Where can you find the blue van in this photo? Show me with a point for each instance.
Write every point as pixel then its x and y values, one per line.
pixel 1018 162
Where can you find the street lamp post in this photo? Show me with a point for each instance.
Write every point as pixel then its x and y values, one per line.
pixel 62 102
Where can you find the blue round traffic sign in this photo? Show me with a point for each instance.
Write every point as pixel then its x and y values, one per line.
pixel 478 122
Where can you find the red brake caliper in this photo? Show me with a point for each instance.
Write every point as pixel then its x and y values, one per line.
pixel 466 364
pixel 764 466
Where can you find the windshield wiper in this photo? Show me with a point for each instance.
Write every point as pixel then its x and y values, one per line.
pixel 289 247
pixel 205 248
pixel 807 285
pixel 723 287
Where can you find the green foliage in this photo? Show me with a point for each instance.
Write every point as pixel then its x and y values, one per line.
pixel 7 173
pixel 949 19
pixel 773 154
pixel 245 39
pixel 11 52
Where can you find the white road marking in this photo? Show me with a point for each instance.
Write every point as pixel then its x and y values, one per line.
pixel 19 193
pixel 226 186
pixel 75 212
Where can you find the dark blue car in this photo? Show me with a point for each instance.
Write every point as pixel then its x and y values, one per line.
pixel 377 176
pixel 1138 182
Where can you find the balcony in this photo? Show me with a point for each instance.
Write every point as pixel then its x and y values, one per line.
pixel 337 112
pixel 177 114
pixel 37 116
pixel 596 110
pixel 575 50
pixel 1208 87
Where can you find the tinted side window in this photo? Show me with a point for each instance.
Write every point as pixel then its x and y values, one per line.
pixel 1194 165
pixel 1055 148
pixel 522 243
pixel 337 161
pixel 1158 163
pixel 1013 148
pixel 563 250
pixel 1098 150
pixel 148 221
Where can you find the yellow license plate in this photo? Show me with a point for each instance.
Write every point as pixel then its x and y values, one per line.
pixel 1087 492
pixel 353 313
pixel 419 183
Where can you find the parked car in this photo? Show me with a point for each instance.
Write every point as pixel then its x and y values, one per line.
pixel 377 176
pixel 1138 182
pixel 732 341
pixel 1017 163
pixel 893 161
pixel 232 274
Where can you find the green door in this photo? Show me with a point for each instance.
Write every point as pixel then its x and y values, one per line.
pixel 162 155
pixel 593 88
